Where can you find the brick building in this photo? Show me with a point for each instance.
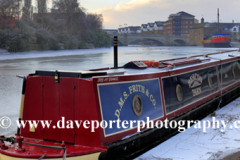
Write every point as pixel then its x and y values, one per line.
pixel 178 24
pixel 197 32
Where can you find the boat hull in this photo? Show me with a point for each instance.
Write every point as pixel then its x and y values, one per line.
pixel 219 45
pixel 143 142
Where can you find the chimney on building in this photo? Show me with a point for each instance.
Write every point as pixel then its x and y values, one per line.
pixel 232 21
pixel 202 20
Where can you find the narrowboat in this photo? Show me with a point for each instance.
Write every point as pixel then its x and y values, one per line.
pixel 216 40
pixel 185 88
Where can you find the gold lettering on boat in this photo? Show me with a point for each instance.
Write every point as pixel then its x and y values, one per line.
pixel 133 89
pixel 195 80
pixel 197 91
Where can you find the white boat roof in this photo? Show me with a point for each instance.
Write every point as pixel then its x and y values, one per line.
pixel 210 58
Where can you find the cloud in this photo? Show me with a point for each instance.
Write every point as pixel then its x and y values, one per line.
pixel 137 12
pixel 123 7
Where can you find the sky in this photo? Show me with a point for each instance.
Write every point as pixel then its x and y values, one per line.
pixel 116 13
pixel 120 13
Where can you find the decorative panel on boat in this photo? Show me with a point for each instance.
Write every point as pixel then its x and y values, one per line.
pixel 195 86
pixel 131 100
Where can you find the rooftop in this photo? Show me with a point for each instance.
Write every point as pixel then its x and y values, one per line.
pixel 181 14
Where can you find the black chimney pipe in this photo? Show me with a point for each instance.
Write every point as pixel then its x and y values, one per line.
pixel 115 48
pixel 218 20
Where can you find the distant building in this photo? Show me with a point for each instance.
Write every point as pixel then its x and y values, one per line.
pixel 133 29
pixel 158 25
pixel 178 24
pixel 120 30
pixel 150 26
pixel 235 30
pixel 125 30
pixel 111 31
pixel 197 32
pixel 144 28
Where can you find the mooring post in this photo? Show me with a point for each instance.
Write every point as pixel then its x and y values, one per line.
pixel 115 48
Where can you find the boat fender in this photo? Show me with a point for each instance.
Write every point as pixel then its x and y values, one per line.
pixel 148 63
pixel 151 63
pixel 155 64
pixel 170 66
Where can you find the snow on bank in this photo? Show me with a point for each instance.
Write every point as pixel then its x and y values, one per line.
pixel 194 144
pixel 3 51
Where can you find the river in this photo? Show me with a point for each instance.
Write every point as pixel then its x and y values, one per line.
pixel 12 64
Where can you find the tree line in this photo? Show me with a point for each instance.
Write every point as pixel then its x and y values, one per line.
pixel 66 25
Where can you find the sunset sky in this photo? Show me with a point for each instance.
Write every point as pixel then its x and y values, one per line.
pixel 137 12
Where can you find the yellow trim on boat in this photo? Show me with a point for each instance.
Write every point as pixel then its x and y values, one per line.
pixel 93 156
pixel 21 106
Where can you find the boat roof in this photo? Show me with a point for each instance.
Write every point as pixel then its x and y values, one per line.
pixel 165 65
pixel 217 35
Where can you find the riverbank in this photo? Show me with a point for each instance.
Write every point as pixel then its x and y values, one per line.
pixel 194 144
pixel 3 51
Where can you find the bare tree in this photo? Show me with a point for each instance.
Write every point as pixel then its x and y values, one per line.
pixel 71 12
pixel 10 8
pixel 94 21
pixel 67 6
pixel 27 9
pixel 41 6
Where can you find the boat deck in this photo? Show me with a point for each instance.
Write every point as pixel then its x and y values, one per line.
pixel 36 150
pixel 204 60
pixel 174 64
